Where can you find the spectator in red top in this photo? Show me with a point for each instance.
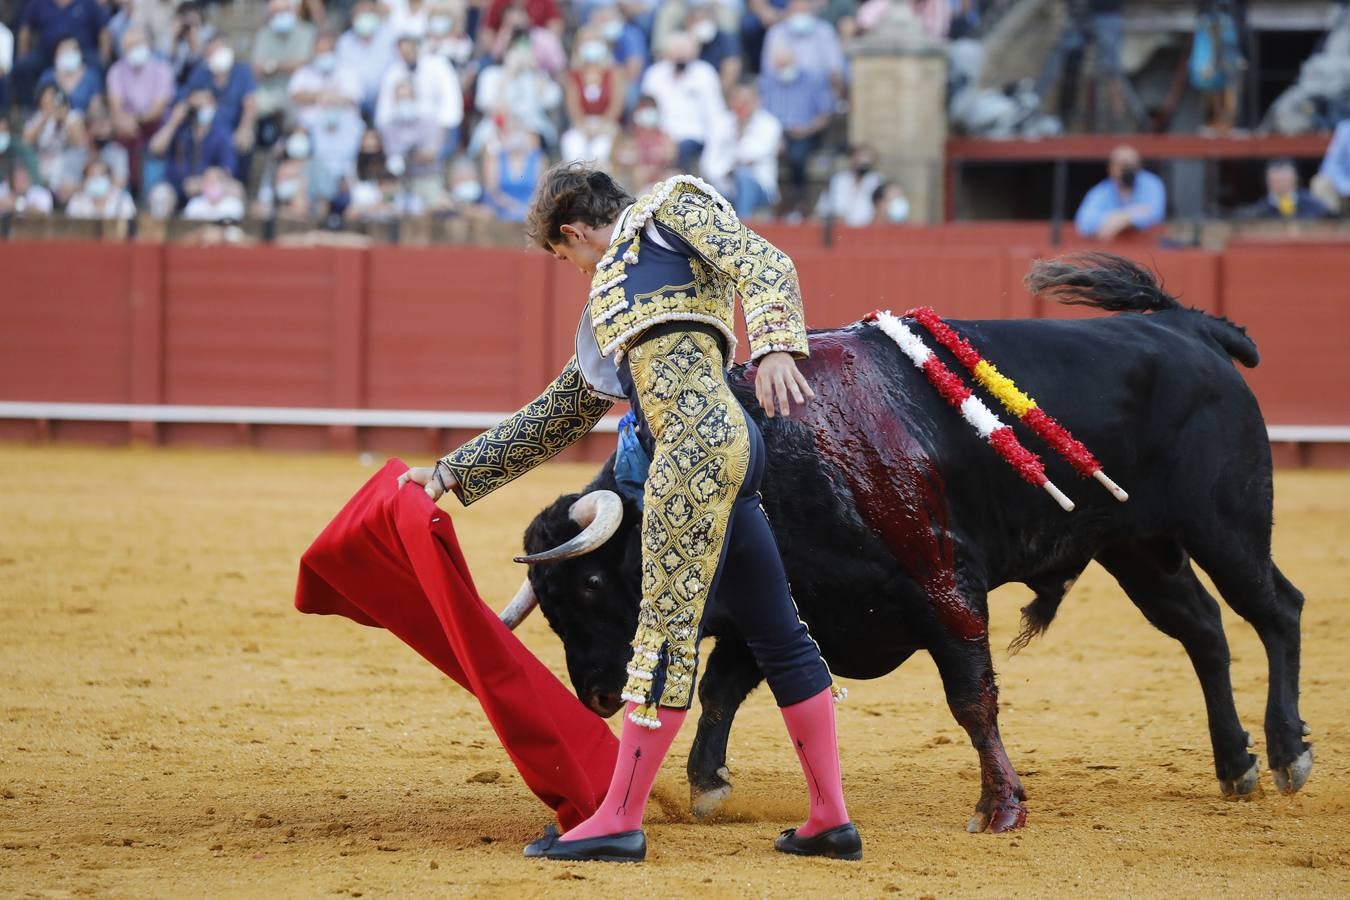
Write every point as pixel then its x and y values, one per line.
pixel 594 91
pixel 540 13
pixel 646 154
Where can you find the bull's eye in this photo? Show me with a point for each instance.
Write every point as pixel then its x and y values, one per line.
pixel 594 583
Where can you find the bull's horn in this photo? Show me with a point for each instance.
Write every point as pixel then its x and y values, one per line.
pixel 524 603
pixel 599 514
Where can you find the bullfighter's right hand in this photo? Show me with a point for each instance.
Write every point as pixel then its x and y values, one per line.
pixel 434 484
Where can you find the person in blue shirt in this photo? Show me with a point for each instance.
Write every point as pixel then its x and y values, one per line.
pixel 43 25
pixel 193 139
pixel 79 82
pixel 1332 183
pixel 1130 198
pixel 232 85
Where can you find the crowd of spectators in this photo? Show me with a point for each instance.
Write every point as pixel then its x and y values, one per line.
pixel 366 111
pixel 359 111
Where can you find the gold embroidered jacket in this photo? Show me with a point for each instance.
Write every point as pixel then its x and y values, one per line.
pixel 729 258
pixel 551 423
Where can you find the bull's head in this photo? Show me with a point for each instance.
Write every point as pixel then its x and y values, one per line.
pixel 584 564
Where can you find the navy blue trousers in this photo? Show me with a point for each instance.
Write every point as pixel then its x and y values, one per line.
pixel 751 585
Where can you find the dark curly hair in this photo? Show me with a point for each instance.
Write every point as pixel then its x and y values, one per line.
pixel 573 192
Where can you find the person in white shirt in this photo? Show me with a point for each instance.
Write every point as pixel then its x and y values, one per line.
pixel 408 16
pixel 848 197
pixel 319 78
pixel 741 155
pixel 6 63
pixel 688 94
pixel 21 197
pixel 435 88
pixel 218 201
pixel 366 50
pixel 99 197
pixel 518 88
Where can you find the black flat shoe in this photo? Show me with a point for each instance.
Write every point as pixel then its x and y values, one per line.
pixel 627 846
pixel 840 842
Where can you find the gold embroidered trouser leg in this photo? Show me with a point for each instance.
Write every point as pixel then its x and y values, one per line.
pixel 700 461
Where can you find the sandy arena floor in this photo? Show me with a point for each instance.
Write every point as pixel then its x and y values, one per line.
pixel 170 726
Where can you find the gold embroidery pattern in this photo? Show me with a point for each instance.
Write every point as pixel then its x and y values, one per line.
pixel 731 258
pixel 701 461
pixel 551 423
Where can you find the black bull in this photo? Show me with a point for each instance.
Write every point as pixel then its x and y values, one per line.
pixel 895 520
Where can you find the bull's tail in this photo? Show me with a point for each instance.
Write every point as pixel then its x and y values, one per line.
pixel 1109 282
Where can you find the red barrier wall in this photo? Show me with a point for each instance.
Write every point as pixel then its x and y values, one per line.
pixel 474 328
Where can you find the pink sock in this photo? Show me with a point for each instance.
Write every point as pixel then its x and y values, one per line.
pixel 810 724
pixel 641 751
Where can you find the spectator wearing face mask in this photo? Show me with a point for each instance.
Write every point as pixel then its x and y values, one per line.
pixel 741 156
pixel 1129 199
pixel 645 153
pixel 595 91
pixel 20 196
pixel 435 90
pixel 285 190
pixel 319 78
pixel 412 142
pixel 43 26
pixel 98 124
pixel 156 20
pixel 59 140
pixel 627 44
pixel 193 139
pixel 218 201
pixel 77 81
pixel 336 135
pixel 890 206
pixel 408 16
pixel 813 42
pixel 140 88
pixel 677 15
pixel 719 46
pixel 232 85
pixel 280 48
pixel 848 197
pixel 446 36
pixel 366 50
pixel 464 195
pixel 511 170
pixel 520 89
pixel 99 197
pixel 802 101
pixel 688 95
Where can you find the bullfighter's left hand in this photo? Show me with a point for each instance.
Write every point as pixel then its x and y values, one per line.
pixel 426 477
pixel 778 379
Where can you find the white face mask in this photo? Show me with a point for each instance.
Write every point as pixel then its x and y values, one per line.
pixel 138 56
pixel 704 31
pixel 284 21
pixel 205 114
pixel 326 63
pixel 98 186
pixel 366 24
pixel 439 25
pixel 613 30
pixel 467 191
pixel 286 190
pixel 593 52
pixel 222 60
pixel 647 117
pixel 297 146
pixel 406 110
pixel 4 141
pixel 801 23
pixel 68 60
pixel 897 210
pixel 786 73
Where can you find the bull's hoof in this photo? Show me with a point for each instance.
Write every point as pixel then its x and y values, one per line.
pixel 703 802
pixel 1295 775
pixel 1245 785
pixel 1003 816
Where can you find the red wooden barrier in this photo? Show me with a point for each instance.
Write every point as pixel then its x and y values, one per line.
pixel 472 328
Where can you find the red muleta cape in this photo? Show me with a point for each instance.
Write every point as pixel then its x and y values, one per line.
pixel 390 560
